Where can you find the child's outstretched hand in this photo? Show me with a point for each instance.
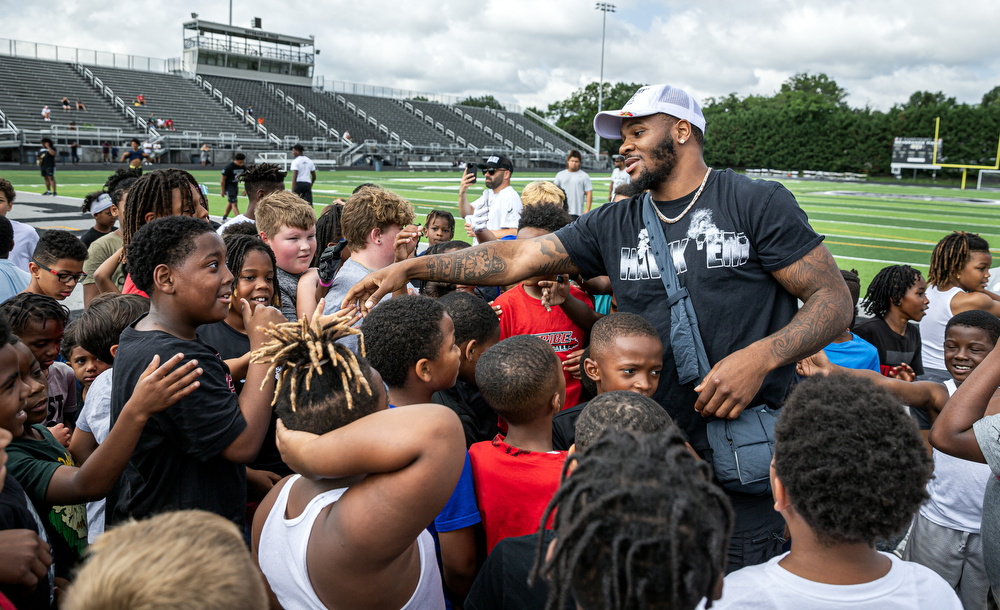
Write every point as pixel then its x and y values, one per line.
pixel 406 242
pixel 61 434
pixel 903 372
pixel 292 447
pixel 554 293
pixel 256 321
pixel 161 386
pixel 817 364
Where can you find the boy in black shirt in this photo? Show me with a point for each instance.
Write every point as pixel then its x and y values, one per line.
pixel 192 455
pixel 476 330
pixel 229 186
pixel 47 162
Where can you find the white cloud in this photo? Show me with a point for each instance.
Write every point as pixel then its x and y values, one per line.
pixel 537 52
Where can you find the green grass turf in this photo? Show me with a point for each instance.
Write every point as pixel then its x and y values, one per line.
pixel 863 232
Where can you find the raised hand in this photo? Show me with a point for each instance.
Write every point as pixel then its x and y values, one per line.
pixel 162 386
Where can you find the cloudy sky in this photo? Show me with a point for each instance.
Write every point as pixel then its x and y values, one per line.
pixel 537 52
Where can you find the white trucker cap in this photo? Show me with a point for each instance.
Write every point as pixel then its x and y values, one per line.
pixel 651 99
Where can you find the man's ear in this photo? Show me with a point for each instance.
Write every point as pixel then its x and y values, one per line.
pixel 114 350
pixel 163 279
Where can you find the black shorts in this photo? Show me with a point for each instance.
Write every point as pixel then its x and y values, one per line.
pixel 48 172
pixel 303 190
pixel 232 195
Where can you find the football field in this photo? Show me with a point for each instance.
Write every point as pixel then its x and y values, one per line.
pixel 867 226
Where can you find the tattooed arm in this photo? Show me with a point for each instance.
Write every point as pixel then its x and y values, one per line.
pixel 495 263
pixel 735 380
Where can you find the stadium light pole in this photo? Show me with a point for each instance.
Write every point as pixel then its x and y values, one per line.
pixel 605 8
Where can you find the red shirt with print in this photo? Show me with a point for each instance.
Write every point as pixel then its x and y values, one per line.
pixel 513 487
pixel 525 315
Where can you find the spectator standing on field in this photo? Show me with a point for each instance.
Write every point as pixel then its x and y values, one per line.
pixel 576 183
pixel 498 209
pixel 618 176
pixel 303 173
pixel 229 186
pixel 74 152
pixel 47 162
pixel 106 152
pixel 205 149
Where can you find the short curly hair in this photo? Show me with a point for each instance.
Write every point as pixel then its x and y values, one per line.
pixel 518 376
pixel 836 475
pixel 615 325
pixel 163 241
pixel 399 333
pixel 621 410
pixel 473 318
pixel 977 318
pixel 544 216
pixel 55 245
pixel 371 208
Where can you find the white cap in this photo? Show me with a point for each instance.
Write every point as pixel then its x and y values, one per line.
pixel 651 99
pixel 103 202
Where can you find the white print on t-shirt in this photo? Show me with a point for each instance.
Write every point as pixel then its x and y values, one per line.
pixel 560 340
pixel 722 249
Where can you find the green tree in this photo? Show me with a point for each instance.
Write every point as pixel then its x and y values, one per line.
pixel 992 97
pixel 818 84
pixel 483 101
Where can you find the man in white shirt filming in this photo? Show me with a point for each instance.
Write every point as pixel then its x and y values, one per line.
pixel 303 174
pixel 618 176
pixel 498 210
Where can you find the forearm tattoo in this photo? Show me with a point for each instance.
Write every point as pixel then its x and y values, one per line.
pixel 497 263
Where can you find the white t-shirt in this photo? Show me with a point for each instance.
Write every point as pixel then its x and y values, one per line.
pixel 957 489
pixel 577 185
pixel 505 208
pixel 619 177
pixel 907 586
pixel 25 240
pixel 235 220
pixel 304 166
pixel 95 417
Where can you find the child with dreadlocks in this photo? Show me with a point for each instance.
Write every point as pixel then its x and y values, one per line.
pixel 47 472
pixel 625 353
pixel 945 535
pixel 117 187
pixel 371 482
pixel 56 267
pixel 515 475
pixel 192 455
pixel 410 340
pixel 105 214
pixel 259 181
pixel 157 194
pixel 840 488
pixel 547 306
pixel 287 224
pixel 960 268
pixel 500 584
pixel 638 524
pixel 40 321
pixel 847 349
pixel 896 297
pixel 476 330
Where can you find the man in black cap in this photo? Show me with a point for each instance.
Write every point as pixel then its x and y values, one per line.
pixel 303 173
pixel 499 207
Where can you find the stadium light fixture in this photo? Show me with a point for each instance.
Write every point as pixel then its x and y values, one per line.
pixel 194 15
pixel 605 8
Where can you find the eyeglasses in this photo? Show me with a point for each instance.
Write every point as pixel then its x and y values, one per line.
pixel 62 276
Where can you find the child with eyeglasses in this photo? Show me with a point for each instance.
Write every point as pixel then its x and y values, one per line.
pixel 56 266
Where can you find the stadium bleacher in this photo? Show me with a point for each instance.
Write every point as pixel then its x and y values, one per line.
pixel 279 118
pixel 390 112
pixel 31 83
pixel 336 114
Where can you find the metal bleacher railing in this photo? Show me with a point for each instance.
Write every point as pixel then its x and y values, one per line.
pixel 87 57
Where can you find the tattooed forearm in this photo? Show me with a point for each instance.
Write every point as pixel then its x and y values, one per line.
pixel 496 263
pixel 827 311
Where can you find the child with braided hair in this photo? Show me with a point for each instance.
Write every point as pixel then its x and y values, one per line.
pixel 959 270
pixel 896 296
pixel 371 481
pixel 638 524
pixel 193 454
pixel 157 194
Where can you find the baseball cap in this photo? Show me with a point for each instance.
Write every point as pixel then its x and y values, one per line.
pixel 102 203
pixel 648 100
pixel 497 161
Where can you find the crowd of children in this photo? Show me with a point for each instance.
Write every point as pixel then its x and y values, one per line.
pixel 214 431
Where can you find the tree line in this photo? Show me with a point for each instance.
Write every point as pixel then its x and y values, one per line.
pixel 807 124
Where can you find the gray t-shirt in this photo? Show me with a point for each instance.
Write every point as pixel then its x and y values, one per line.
pixel 988 436
pixel 349 274
pixel 576 184
pixel 288 284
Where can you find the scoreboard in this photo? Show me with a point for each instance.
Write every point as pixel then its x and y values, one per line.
pixel 914 153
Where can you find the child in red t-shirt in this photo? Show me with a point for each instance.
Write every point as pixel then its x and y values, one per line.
pixel 516 476
pixel 566 314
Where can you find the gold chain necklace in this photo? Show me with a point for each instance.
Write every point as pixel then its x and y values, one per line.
pixel 671 221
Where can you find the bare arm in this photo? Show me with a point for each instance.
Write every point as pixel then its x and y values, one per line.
pixel 458 562
pixel 735 380
pixel 312 177
pixel 464 207
pixel 924 394
pixel 82 445
pixel 952 431
pixel 222 185
pixel 496 263
pixel 981 299
pixel 102 277
pixel 295 176
pixel 590 201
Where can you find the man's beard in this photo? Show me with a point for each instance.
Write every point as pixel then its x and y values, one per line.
pixel 652 177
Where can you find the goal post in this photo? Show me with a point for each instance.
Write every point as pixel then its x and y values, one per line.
pixel 989 179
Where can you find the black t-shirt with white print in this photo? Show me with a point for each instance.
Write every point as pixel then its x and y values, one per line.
pixel 177 463
pixel 724 250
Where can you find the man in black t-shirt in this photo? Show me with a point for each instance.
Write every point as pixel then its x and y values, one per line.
pixel 47 162
pixel 229 187
pixel 742 248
